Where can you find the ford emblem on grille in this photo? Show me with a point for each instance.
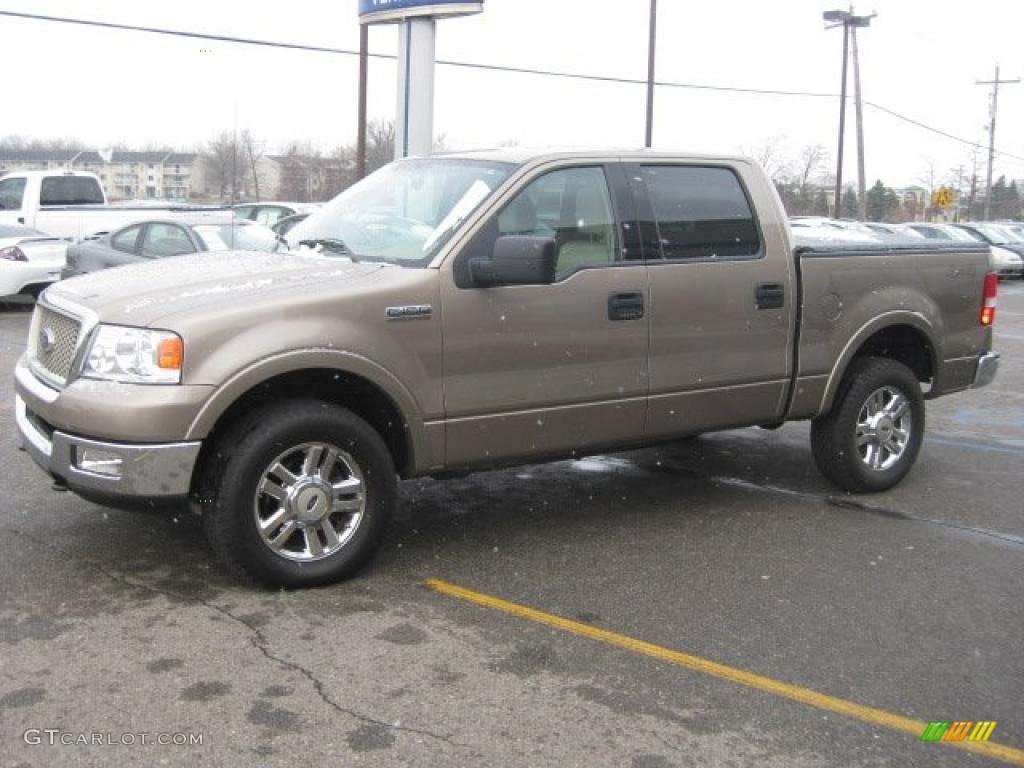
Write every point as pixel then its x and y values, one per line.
pixel 47 340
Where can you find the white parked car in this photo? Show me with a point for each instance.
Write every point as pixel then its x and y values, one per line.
pixel 29 260
pixel 1006 263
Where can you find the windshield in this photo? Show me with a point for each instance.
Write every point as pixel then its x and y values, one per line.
pixel 960 235
pixel 237 237
pixel 402 214
pixel 70 190
pixel 993 234
pixel 1012 234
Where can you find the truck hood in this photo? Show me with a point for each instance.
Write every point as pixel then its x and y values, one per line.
pixel 138 294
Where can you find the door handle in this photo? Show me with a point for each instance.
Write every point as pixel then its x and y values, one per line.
pixel 770 296
pixel 21 219
pixel 626 306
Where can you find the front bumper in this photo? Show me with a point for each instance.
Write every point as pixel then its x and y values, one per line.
pixel 158 471
pixel 988 365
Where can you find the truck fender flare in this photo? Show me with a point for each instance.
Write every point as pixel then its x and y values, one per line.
pixel 870 328
pixel 297 360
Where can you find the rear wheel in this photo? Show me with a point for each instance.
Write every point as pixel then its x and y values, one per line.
pixel 301 495
pixel 871 438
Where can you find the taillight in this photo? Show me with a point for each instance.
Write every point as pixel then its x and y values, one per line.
pixel 988 305
pixel 14 253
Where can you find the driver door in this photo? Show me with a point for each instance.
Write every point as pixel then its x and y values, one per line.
pixel 535 370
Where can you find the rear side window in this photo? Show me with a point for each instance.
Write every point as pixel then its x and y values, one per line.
pixel 125 239
pixel 166 240
pixel 269 215
pixel 701 213
pixel 70 190
pixel 931 234
pixel 11 193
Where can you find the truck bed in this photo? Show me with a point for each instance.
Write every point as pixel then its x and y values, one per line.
pixel 847 288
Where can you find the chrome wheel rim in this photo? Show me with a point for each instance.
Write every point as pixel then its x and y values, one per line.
pixel 884 427
pixel 309 502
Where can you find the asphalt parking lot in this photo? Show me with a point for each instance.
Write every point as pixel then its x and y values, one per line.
pixel 686 575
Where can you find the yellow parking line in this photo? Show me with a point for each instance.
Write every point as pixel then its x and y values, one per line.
pixel 823 701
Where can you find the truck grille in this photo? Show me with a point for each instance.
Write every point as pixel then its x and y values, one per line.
pixel 53 341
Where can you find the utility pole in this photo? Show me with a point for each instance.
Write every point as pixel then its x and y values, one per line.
pixel 651 44
pixel 995 83
pixel 849 22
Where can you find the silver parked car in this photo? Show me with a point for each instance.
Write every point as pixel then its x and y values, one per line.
pixel 157 239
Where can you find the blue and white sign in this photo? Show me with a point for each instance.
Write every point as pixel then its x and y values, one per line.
pixel 378 11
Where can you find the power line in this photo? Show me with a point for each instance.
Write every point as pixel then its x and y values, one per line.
pixel 486 67
pixel 938 131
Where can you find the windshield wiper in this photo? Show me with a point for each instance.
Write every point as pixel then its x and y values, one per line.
pixel 330 244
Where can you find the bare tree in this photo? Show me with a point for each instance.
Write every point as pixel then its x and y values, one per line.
pixel 225 165
pixel 380 144
pixel 929 178
pixel 253 151
pixel 810 163
pixel 771 156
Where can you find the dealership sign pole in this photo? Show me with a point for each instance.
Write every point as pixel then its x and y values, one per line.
pixel 414 118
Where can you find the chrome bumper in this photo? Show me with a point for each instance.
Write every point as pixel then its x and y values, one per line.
pixel 143 471
pixel 988 365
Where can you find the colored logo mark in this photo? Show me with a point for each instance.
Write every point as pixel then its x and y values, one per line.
pixel 958 730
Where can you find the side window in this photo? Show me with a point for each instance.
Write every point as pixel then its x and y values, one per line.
pixel 244 211
pixel 165 240
pixel 11 193
pixel 701 213
pixel 125 239
pixel 572 206
pixel 269 215
pixel 931 234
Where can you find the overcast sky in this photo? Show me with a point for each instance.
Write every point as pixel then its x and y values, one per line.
pixel 919 58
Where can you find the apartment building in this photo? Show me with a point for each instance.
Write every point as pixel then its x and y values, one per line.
pixel 125 175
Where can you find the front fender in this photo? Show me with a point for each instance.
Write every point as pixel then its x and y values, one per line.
pixel 425 451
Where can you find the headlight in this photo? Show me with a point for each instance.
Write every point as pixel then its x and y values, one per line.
pixel 134 355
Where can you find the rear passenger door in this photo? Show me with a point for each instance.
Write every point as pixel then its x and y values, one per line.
pixel 721 299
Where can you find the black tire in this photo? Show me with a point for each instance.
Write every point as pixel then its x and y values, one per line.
pixel 238 465
pixel 834 436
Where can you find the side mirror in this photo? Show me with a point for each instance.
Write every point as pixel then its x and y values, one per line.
pixel 517 260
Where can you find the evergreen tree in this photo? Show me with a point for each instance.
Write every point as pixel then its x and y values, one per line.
pixel 877 203
pixel 848 205
pixel 821 203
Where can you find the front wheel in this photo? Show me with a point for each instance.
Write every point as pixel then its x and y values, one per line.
pixel 302 493
pixel 871 438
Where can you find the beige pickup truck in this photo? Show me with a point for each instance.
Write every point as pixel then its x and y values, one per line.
pixel 475 310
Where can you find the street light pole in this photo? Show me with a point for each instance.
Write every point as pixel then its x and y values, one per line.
pixel 842 122
pixel 651 44
pixel 849 23
pixel 364 56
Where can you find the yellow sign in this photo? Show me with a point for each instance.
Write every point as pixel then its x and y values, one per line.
pixel 942 197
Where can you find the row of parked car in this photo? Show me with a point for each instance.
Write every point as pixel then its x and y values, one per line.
pixel 30 260
pixel 1004 238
